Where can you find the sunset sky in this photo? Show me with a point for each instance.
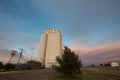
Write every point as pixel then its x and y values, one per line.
pixel 89 27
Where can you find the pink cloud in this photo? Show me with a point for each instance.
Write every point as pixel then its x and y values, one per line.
pixel 102 47
pixel 4 56
pixel 99 53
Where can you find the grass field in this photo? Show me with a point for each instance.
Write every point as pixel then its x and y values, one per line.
pixel 95 73
pixel 106 73
pixel 88 73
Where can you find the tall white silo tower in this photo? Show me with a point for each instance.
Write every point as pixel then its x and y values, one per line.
pixel 50 47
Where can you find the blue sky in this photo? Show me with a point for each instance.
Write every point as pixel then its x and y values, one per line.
pixel 84 24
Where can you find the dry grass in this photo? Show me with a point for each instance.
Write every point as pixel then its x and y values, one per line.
pixel 95 73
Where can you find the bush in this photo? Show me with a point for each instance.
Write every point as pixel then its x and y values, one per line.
pixel 1 65
pixel 69 63
pixel 9 66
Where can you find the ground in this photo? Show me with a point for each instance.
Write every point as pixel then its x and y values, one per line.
pixel 44 74
pixel 88 73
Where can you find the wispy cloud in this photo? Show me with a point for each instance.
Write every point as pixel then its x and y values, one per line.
pixel 99 53
pixel 83 20
pixel 100 47
pixel 90 27
pixel 13 36
pixel 4 56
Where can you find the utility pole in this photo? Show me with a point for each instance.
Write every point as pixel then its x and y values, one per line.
pixel 12 55
pixel 20 55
